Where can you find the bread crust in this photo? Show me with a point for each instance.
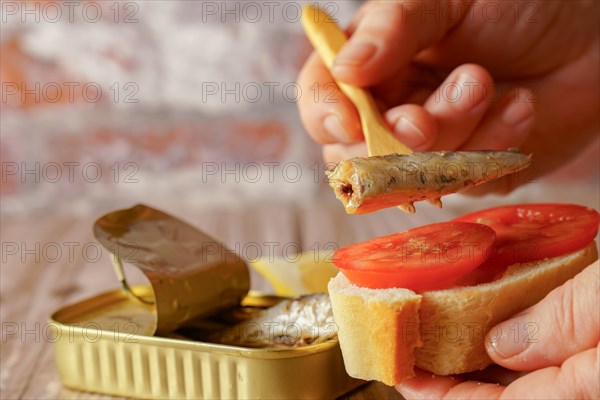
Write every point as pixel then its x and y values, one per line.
pixel 378 332
pixel 376 327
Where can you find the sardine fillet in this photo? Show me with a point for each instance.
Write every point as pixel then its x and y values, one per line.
pixel 293 322
pixel 369 184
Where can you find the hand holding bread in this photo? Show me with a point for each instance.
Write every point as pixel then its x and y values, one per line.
pixel 561 363
pixel 390 321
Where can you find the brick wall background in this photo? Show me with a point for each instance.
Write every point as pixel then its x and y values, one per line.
pixel 107 102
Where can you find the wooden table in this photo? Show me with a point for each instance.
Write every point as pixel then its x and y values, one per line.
pixel 51 260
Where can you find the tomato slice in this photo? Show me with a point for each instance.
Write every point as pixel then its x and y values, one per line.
pixel 425 258
pixel 530 232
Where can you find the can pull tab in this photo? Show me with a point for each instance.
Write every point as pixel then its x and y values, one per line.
pixel 120 272
pixel 192 275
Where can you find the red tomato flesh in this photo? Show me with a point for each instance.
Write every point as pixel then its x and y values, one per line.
pixel 531 232
pixel 425 258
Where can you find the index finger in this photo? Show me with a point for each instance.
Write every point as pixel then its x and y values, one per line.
pixel 385 37
pixel 327 114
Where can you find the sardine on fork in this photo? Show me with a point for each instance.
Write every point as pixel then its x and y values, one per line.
pixel 369 184
pixel 393 175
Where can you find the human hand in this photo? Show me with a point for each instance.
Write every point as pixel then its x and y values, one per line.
pixel 562 355
pixel 457 76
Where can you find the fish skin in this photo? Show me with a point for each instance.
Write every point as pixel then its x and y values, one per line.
pixel 369 184
pixel 296 322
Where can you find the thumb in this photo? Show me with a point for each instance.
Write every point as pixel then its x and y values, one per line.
pixel 387 35
pixel 566 322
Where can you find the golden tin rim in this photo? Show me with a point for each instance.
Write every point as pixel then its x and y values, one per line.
pixel 70 310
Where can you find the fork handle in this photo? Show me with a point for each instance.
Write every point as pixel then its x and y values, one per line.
pixel 328 38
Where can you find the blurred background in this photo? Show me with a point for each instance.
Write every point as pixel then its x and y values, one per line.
pixel 192 102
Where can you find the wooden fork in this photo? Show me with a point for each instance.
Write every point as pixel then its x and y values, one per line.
pixel 328 38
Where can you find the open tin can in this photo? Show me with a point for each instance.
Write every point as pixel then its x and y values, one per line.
pixel 136 341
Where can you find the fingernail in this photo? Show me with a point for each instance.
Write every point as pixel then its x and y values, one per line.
pixel 409 133
pixel 466 93
pixel 517 113
pixel 507 339
pixel 334 127
pixel 355 53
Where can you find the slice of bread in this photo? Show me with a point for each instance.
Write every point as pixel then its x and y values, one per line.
pixel 384 333
pixel 370 329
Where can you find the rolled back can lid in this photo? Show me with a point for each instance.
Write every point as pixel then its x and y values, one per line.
pixel 192 275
